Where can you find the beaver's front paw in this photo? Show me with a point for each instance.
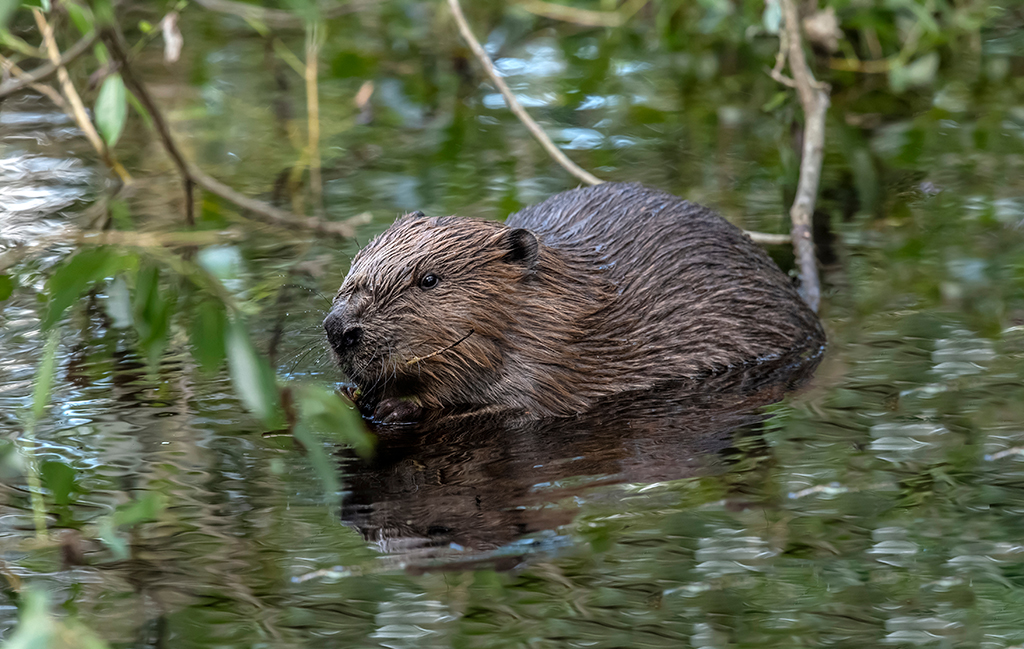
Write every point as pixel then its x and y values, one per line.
pixel 397 411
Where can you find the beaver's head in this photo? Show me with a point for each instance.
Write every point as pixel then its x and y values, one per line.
pixel 427 307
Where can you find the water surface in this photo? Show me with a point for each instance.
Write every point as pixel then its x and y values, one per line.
pixel 880 505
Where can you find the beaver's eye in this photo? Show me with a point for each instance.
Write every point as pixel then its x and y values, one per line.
pixel 429 280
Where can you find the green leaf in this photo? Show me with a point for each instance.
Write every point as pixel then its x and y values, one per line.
pixel 99 50
pixel 74 276
pixel 252 377
pixel 207 331
pixel 7 8
pixel 147 508
pixel 141 110
pixel 6 287
pixel 326 412
pixel 107 533
pixel 36 628
pixel 308 10
pixel 17 44
pixel 104 11
pixel 152 313
pixel 121 215
pixel 321 461
pixel 81 16
pixel 44 376
pixel 112 109
pixel 918 73
pixel 59 478
pixel 777 100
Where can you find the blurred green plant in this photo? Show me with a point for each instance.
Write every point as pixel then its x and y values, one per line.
pixel 149 292
pixel 38 628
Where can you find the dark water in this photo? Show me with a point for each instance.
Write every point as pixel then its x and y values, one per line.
pixel 880 505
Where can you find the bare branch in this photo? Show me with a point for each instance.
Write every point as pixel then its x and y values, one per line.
pixel 875 66
pixel 26 79
pixel 316 185
pixel 767 238
pixel 585 17
pixel 192 175
pixel 43 89
pixel 814 100
pixel 513 103
pixel 74 102
pixel 276 18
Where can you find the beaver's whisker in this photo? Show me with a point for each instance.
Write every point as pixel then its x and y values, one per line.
pixel 419 359
pixel 308 289
pixel 302 356
pixel 382 375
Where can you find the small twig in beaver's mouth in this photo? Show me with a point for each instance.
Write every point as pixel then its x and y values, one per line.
pixel 419 359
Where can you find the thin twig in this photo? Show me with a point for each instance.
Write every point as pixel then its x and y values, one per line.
pixel 78 112
pixel 535 129
pixel 871 66
pixel 420 359
pixel 156 239
pixel 118 49
pixel 11 67
pixel 26 79
pixel 316 185
pixel 780 62
pixel 513 103
pixel 191 174
pixel 815 101
pixel 767 238
pixel 276 18
pixel 585 17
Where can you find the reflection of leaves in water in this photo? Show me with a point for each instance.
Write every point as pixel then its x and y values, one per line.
pixel 6 287
pixel 59 478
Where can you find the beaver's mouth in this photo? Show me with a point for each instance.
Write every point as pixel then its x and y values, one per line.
pixel 377 374
pixel 372 390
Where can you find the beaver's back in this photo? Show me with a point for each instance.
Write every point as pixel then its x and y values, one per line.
pixel 698 293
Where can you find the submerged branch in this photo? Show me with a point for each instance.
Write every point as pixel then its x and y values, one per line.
pixel 513 103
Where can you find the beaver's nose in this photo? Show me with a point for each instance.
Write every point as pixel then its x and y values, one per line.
pixel 340 334
pixel 351 337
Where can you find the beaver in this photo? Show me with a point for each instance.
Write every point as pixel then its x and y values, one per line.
pixel 592 292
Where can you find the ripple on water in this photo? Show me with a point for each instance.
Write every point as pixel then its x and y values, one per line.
pixel 35 185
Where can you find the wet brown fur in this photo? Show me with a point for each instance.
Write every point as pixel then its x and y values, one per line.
pixel 624 287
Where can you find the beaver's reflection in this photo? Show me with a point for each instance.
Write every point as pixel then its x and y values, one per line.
pixel 479 483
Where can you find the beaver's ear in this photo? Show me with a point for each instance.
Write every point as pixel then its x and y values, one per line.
pixel 415 215
pixel 521 246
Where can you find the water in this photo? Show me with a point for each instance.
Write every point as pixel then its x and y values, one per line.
pixel 882 504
